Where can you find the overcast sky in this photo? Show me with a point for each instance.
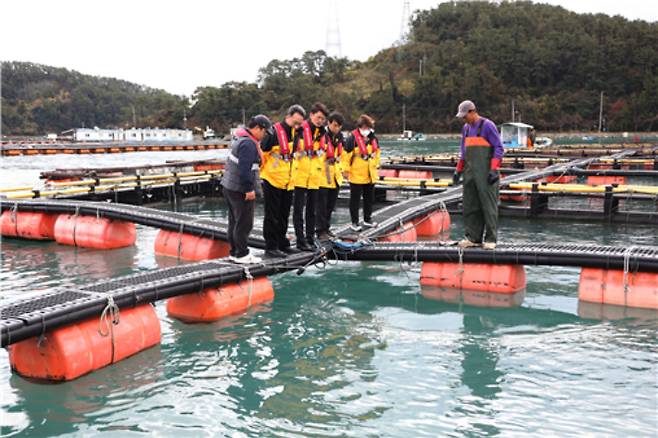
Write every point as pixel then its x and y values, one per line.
pixel 179 45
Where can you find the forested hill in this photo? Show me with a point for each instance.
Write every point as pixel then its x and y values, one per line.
pixel 553 63
pixel 37 99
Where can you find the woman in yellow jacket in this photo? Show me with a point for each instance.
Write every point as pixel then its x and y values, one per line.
pixel 363 155
pixel 332 174
pixel 305 177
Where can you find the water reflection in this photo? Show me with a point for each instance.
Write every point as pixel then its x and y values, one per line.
pixel 67 407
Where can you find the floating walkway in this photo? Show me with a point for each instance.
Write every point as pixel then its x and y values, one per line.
pixel 45 148
pixel 179 223
pixel 66 333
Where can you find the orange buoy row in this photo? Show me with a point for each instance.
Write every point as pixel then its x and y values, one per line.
pixel 66 229
pixel 601 180
pixel 607 286
pixel 28 225
pixel 560 179
pixel 415 174
pixel 406 233
pixel 77 349
pixel 213 304
pixel 93 232
pixel 189 247
pixel 387 173
pixel 203 167
pixel 432 224
pixel 475 284
pixel 512 198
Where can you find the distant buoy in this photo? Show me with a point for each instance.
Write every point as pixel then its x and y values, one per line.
pixel 604 180
pixel 387 173
pixel 415 174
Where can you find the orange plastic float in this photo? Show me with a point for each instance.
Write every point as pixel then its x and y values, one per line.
pixel 432 224
pixel 390 173
pixel 189 247
pixel 28 225
pixel 416 174
pixel 93 232
pixel 639 289
pixel 560 179
pixel 596 180
pixel 512 198
pixel 69 352
pixel 203 167
pixel 214 304
pixel 477 284
pixel 405 234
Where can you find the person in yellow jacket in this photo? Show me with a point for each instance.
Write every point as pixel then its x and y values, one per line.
pixel 275 173
pixel 332 174
pixel 305 177
pixel 363 155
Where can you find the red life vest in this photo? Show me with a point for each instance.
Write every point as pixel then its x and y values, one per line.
pixel 363 149
pixel 308 138
pixel 284 149
pixel 242 132
pixel 328 146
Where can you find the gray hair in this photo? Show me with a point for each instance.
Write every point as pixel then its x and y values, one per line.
pixel 296 109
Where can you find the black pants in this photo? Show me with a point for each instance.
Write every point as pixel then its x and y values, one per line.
pixel 240 221
pixel 368 193
pixel 277 211
pixel 304 204
pixel 326 204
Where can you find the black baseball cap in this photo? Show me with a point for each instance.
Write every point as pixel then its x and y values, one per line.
pixel 263 121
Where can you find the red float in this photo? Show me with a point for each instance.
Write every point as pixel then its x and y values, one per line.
pixel 407 233
pixel 639 289
pixel 477 284
pixel 69 352
pixel 416 174
pixel 214 304
pixel 189 247
pixel 560 179
pixel 387 173
pixel 433 224
pixel 93 232
pixel 596 180
pixel 28 225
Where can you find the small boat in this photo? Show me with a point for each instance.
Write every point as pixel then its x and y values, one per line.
pixel 409 135
pixel 521 135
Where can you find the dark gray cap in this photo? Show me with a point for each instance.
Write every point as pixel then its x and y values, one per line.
pixel 263 121
pixel 464 108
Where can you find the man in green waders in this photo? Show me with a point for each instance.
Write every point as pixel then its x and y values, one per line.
pixel 480 156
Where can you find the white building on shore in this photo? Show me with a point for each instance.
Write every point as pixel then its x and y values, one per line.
pixel 132 134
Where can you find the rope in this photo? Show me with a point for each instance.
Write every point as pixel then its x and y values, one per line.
pixel 180 239
pixel 460 267
pixel 250 279
pixel 14 215
pixel 75 224
pixel 627 262
pixel 109 318
pixel 42 336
